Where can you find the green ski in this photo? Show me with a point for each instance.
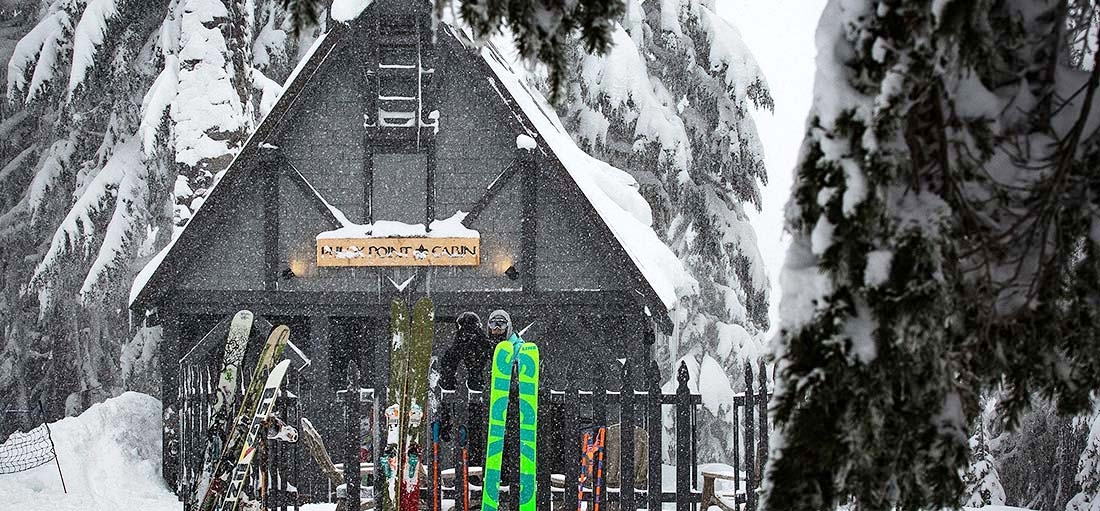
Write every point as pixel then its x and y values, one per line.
pixel 399 363
pixel 524 357
pixel 407 394
pixel 416 397
pixel 499 387
pixel 528 368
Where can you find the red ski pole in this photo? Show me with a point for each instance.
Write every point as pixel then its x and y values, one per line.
pixel 584 471
pixel 465 469
pixel 599 469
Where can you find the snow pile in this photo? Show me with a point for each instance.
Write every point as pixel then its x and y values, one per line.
pixel 447 228
pixel 110 456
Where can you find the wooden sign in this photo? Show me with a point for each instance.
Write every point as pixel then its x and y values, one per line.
pixel 398 252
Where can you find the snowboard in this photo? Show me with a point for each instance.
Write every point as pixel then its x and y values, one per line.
pixel 407 394
pixel 264 409
pixel 524 358
pixel 271 352
pixel 225 395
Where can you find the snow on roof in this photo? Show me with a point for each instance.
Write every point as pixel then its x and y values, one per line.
pixel 347 10
pixel 450 227
pixel 611 191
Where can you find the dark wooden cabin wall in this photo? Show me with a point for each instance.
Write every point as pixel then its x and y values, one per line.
pixel 299 222
pixel 231 255
pixel 573 253
pixel 322 137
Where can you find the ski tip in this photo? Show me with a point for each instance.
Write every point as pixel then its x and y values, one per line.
pixel 279 334
pixel 278 372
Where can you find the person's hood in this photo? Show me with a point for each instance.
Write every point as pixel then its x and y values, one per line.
pixel 469 322
pixel 508 330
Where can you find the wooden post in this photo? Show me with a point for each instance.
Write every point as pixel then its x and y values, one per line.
pixel 626 439
pixel 683 440
pixel 750 440
pixel 381 367
pixel 736 444
pixel 529 219
pixel 653 427
pixel 297 455
pixel 351 430
pixel 171 372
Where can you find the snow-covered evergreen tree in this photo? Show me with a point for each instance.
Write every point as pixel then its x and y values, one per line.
pixel 945 239
pixel 116 110
pixel 1036 460
pixel 1088 472
pixel 983 484
pixel 671 102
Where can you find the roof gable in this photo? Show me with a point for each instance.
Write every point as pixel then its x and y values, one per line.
pixel 610 192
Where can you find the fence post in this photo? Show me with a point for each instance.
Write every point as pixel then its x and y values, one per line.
pixel 683 439
pixel 653 427
pixel 626 439
pixel 351 429
pixel 750 441
pixel 762 438
pixel 570 439
pixel 736 432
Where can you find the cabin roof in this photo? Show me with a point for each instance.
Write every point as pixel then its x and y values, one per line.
pixel 611 192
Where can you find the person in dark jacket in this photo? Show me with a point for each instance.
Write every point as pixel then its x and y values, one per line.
pixel 470 347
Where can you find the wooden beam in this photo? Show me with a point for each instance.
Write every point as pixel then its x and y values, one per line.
pixel 529 219
pixel 491 192
pixel 268 163
pixel 295 176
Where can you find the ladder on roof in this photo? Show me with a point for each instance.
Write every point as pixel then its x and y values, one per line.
pixel 400 76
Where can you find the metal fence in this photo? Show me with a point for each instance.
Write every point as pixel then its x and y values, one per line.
pixel 661 462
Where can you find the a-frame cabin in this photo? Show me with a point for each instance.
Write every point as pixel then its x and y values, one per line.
pixel 386 120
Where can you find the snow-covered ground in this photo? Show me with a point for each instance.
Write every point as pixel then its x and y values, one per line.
pixel 110 456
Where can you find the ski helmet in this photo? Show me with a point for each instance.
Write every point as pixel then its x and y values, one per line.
pixel 500 325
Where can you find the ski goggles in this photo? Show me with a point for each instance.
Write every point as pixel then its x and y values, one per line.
pixel 498 324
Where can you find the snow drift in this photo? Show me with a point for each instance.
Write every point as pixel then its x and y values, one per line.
pixel 110 456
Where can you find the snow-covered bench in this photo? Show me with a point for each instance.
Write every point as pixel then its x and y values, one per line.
pixel 711 497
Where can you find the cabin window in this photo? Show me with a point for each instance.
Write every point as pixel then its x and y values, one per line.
pixel 399 187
